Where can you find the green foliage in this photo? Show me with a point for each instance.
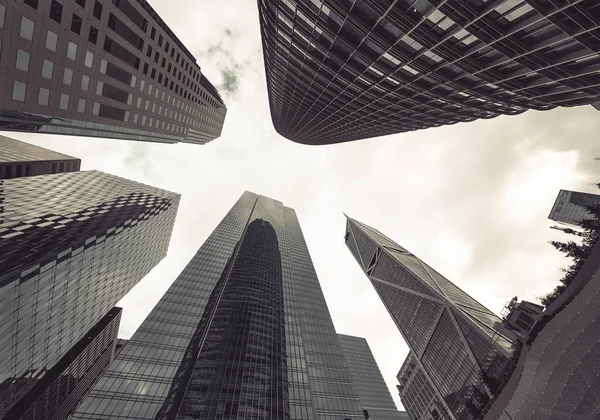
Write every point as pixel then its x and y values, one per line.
pixel 578 252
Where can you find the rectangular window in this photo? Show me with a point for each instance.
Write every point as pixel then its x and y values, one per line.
pixel 121 52
pixel 47 69
pixel 31 3
pixel 85 82
pixel 117 73
pixel 132 13
pixel 81 106
pixel 43 97
pixel 27 28
pixel 68 76
pixel 2 15
pixel 153 33
pixel 89 59
pixel 22 62
pixel 93 35
pixel 80 3
pixel 123 30
pixel 107 111
pixel 71 50
pixel 19 91
pixel 160 40
pixel 76 24
pixel 97 10
pixel 56 10
pixel 64 101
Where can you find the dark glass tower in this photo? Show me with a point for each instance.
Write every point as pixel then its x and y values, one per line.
pixel 71 246
pixel 570 207
pixel 101 68
pixel 57 394
pixel 18 159
pixel 375 398
pixel 450 334
pixel 341 70
pixel 243 333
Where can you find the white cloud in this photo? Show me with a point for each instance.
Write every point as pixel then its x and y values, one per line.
pixel 471 200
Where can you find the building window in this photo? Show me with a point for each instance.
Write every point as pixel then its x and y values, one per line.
pixel 85 82
pixel 2 15
pixel 97 10
pixel 81 106
pixel 22 61
pixel 71 50
pixel 68 76
pixel 47 69
pixel 31 3
pixel 51 40
pixel 93 35
pixel 56 10
pixel 43 97
pixel 80 3
pixel 89 59
pixel 19 90
pixel 64 101
pixel 76 24
pixel 27 28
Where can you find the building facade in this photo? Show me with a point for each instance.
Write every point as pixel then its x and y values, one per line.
pixel 347 70
pixel 101 68
pixel 57 394
pixel 570 207
pixel 18 159
pixel 71 246
pixel 417 392
pixel 450 334
pixel 243 332
pixel 375 398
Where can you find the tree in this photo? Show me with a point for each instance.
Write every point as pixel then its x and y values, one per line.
pixel 578 252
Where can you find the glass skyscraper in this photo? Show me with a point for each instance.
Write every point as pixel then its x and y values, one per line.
pixel 340 70
pixel 18 159
pixel 71 246
pixel 570 207
pixel 243 333
pixel 57 394
pixel 102 68
pixel 375 398
pixel 451 336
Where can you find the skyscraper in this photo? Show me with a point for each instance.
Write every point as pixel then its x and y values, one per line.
pixel 570 207
pixel 18 158
pixel 71 246
pixel 244 332
pixel 375 398
pixel 451 336
pixel 55 395
pixel 102 68
pixel 347 70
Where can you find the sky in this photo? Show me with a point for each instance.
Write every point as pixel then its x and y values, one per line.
pixel 471 199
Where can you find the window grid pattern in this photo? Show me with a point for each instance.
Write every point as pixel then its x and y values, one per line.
pixel 570 207
pixel 448 331
pixel 372 391
pixel 63 387
pixel 106 43
pixel 18 159
pixel 73 245
pixel 341 71
pixel 160 373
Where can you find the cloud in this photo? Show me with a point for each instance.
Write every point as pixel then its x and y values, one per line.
pixel 230 83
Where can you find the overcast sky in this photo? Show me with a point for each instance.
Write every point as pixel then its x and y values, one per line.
pixel 471 199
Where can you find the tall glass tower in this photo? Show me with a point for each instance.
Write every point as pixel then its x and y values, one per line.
pixel 244 332
pixel 377 403
pixel 340 70
pixel 71 246
pixel 451 336
pixel 570 207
